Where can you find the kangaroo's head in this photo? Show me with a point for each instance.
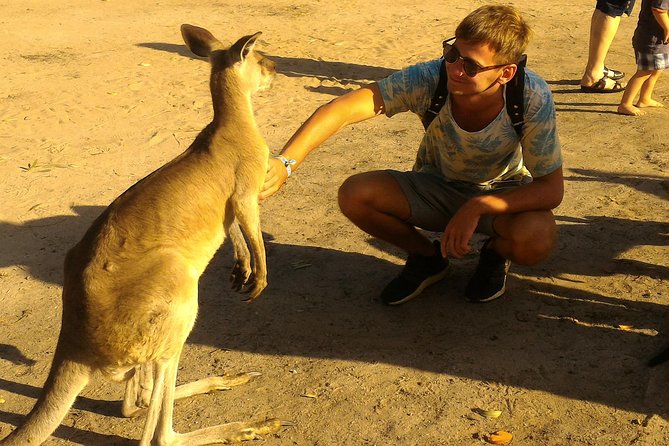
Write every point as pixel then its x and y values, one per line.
pixel 238 65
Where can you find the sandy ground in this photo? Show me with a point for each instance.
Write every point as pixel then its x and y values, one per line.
pixel 96 94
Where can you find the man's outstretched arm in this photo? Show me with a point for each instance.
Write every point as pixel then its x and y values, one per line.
pixel 356 106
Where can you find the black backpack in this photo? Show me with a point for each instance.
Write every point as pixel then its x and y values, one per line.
pixel 515 106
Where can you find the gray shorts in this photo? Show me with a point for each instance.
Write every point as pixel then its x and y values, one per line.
pixel 433 200
pixel 651 62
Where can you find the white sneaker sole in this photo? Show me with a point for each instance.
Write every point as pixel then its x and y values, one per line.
pixel 499 293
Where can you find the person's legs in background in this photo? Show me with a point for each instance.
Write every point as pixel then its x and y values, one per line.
pixel 597 78
pixel 603 29
pixel 636 83
pixel 646 93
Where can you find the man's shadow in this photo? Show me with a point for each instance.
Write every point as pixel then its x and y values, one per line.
pixel 656 185
pixel 331 313
pixel 321 303
pixel 604 240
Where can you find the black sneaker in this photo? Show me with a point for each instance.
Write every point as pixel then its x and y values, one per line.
pixel 418 273
pixel 489 280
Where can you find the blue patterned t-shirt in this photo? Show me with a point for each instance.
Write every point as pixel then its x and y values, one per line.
pixel 486 157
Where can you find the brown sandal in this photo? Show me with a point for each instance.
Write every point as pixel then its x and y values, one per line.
pixel 613 74
pixel 600 87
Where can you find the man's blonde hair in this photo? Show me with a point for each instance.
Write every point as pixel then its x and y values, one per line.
pixel 499 26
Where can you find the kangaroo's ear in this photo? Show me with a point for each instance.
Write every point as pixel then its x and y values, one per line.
pixel 243 47
pixel 199 40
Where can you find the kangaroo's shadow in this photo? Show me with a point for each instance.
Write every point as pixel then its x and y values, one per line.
pixel 344 72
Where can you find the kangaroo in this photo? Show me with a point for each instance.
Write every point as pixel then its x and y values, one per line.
pixel 131 284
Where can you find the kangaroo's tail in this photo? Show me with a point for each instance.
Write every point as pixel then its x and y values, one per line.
pixel 66 380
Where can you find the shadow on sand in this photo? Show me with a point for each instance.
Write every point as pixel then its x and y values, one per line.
pixel 343 72
pixel 563 323
pixel 326 309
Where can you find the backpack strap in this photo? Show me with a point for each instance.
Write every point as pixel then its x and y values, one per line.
pixel 438 98
pixel 515 89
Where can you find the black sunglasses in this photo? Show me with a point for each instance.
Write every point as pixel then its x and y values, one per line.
pixel 469 66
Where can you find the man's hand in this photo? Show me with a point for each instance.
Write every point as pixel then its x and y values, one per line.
pixel 274 178
pixel 459 232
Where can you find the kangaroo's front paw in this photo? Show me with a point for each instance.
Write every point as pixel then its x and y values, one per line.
pixel 240 275
pixel 255 288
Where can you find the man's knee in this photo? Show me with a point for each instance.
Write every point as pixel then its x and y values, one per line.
pixel 540 247
pixel 352 194
pixel 375 191
pixel 532 236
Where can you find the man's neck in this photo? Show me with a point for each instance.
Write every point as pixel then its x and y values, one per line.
pixel 491 96
pixel 474 112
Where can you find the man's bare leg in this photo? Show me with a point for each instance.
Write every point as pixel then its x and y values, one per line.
pixel 375 202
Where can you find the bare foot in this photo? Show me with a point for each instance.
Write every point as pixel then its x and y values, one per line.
pixel 649 103
pixel 630 110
